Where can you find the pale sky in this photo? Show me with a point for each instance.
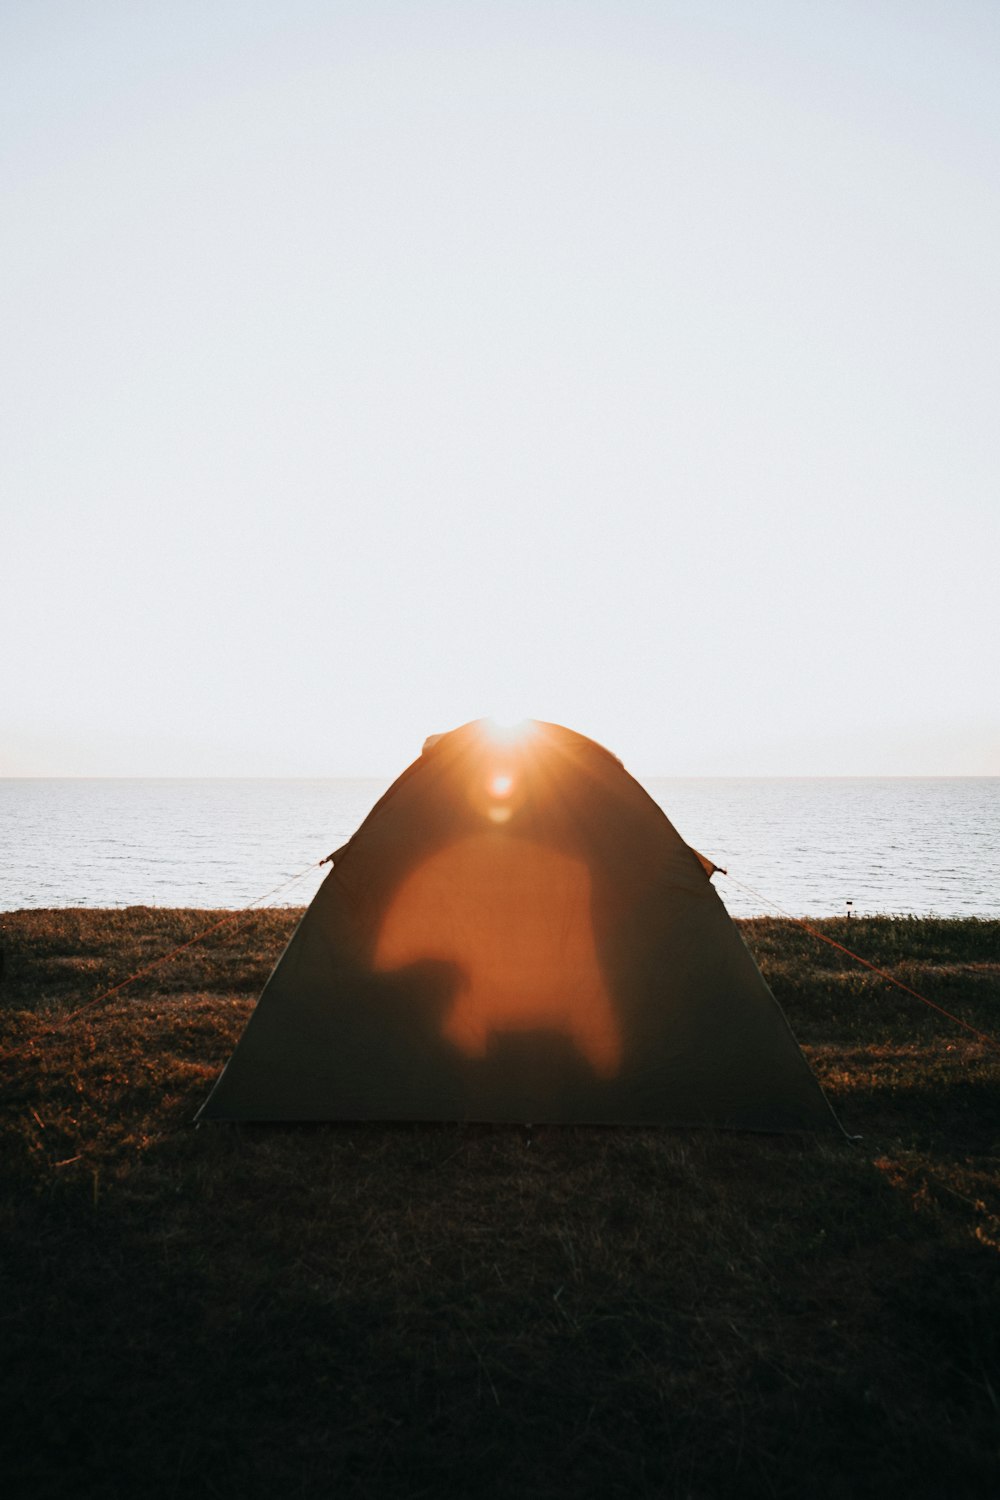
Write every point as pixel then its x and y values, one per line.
pixel 370 367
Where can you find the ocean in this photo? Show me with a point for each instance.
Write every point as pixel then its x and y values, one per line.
pixel 903 846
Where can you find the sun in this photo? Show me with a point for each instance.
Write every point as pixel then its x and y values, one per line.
pixel 508 731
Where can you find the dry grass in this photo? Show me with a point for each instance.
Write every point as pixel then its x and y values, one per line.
pixel 448 1311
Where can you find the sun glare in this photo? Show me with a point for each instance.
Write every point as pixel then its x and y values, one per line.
pixel 506 731
pixel 501 786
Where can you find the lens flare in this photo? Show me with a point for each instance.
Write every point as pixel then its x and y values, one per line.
pixel 501 786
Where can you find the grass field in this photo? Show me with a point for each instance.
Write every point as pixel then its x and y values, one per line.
pixel 461 1311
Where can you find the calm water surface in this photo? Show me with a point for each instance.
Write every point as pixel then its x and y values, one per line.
pixel 900 845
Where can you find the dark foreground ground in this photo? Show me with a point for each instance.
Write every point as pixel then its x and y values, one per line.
pixel 448 1311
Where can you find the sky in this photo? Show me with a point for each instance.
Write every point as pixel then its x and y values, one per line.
pixel 366 368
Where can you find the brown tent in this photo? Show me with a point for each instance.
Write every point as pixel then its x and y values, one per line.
pixel 516 932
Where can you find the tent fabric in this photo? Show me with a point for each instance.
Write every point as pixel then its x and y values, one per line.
pixel 518 933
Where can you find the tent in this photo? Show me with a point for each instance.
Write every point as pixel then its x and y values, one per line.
pixel 517 933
